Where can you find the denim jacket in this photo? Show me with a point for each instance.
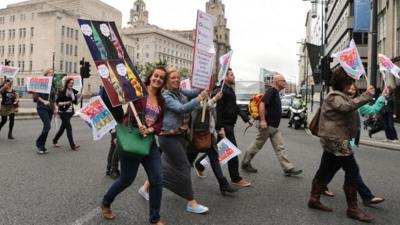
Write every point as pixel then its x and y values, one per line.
pixel 176 105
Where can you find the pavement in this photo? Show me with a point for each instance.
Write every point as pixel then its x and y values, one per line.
pixel 65 187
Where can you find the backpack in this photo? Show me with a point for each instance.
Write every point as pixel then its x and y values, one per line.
pixel 254 104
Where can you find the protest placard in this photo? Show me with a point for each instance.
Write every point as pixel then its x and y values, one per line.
pixel 99 118
pixel 185 84
pixel 204 52
pixel 350 61
pixel 39 84
pixel 226 151
pixel 120 79
pixel 8 71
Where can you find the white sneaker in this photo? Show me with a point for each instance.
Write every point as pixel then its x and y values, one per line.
pixel 395 141
pixel 200 209
pixel 143 193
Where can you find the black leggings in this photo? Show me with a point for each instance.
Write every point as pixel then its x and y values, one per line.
pixel 4 121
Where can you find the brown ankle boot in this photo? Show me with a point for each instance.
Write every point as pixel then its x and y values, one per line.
pixel 353 211
pixel 107 213
pixel 314 201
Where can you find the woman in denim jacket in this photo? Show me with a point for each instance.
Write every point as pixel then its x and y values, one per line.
pixel 176 167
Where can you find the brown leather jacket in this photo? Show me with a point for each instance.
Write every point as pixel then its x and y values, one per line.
pixel 338 119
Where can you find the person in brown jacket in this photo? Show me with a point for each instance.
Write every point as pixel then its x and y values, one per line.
pixel 337 126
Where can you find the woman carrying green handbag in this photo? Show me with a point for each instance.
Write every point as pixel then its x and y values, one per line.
pixel 152 107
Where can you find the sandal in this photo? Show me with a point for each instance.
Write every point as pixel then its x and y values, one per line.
pixel 107 213
pixel 374 201
pixel 328 193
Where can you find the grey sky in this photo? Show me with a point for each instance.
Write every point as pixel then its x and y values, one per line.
pixel 263 32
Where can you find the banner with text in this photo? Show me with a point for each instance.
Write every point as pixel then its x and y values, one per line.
pixel 120 79
pixel 226 151
pixel 99 118
pixel 362 12
pixel 204 51
pixel 8 71
pixel 39 84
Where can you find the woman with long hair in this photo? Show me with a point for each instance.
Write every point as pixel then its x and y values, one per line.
pixel 67 97
pixel 9 106
pixel 152 106
pixel 173 142
pixel 337 126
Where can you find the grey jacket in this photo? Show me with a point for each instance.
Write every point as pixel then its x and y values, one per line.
pixel 338 119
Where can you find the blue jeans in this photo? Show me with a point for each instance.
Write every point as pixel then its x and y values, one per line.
pixel 45 115
pixel 129 169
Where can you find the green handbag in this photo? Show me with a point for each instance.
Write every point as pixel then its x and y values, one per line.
pixel 131 142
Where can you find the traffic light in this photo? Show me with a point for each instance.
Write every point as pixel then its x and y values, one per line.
pixel 85 69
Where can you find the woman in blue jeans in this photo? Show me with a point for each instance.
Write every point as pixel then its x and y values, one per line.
pixel 365 110
pixel 45 108
pixel 153 108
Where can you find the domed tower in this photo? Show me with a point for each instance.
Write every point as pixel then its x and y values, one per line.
pixel 221 32
pixel 139 14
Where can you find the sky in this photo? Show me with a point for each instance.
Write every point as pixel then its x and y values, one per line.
pixel 263 33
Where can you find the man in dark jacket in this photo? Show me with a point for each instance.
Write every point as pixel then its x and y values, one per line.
pixel 227 112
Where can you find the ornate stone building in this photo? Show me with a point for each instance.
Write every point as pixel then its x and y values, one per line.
pixel 31 31
pixel 221 39
pixel 153 43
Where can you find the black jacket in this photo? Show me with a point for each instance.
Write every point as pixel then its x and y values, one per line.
pixel 227 109
pixel 63 98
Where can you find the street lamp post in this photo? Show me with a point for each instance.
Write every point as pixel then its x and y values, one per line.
pixel 324 4
pixel 374 37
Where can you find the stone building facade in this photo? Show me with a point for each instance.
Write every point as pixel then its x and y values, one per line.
pixel 32 31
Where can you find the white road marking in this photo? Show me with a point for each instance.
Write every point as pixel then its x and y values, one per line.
pixel 86 218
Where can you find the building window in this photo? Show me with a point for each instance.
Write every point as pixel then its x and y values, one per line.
pixel 62 48
pixel 13 34
pixel 66 67
pixel 62 31
pixel 23 49
pixel 76 50
pixel 23 66
pixel 2 20
pixel 19 49
pixel 20 32
pixel 67 31
pixel 76 35
pixel 70 50
pixel 75 67
pixel 30 65
pixel 32 30
pixel 31 49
